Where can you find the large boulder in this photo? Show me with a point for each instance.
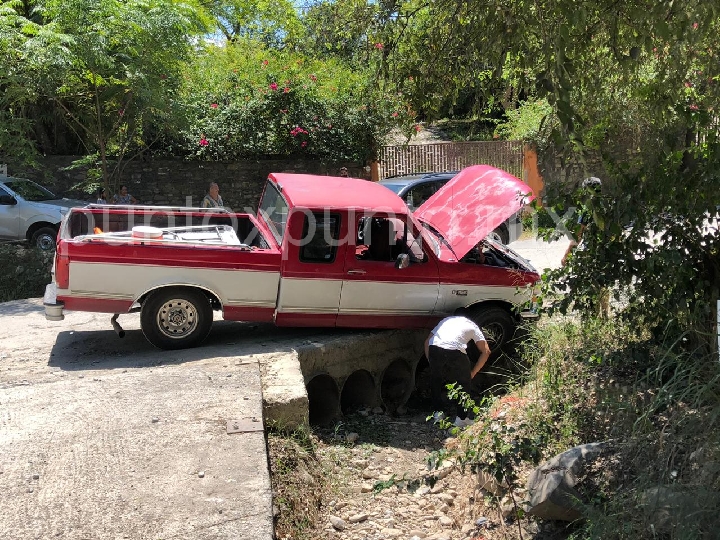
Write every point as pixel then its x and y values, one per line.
pixel 551 486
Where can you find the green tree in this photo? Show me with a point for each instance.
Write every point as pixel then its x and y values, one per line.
pixel 272 22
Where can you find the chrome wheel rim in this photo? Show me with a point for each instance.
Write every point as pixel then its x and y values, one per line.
pixel 46 242
pixel 177 318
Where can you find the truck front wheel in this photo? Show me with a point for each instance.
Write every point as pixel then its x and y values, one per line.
pixel 497 325
pixel 176 318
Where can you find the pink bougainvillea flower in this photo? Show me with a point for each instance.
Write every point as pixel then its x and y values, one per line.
pixel 418 127
pixel 379 46
pixel 265 62
pixel 304 144
pixel 286 90
pixel 273 86
pixel 695 26
pixel 313 78
pixel 213 105
pixel 121 112
pixel 688 85
pixel 693 107
pixel 284 111
pixel 394 115
pixel 203 141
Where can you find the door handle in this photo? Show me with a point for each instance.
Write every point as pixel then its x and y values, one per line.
pixel 357 272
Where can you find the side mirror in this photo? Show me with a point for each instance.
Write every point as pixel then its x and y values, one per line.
pixel 8 200
pixel 402 261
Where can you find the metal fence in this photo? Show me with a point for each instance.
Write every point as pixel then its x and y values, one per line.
pixel 451 156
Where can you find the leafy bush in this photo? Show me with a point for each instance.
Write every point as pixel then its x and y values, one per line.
pixel 25 272
pixel 524 123
pixel 244 101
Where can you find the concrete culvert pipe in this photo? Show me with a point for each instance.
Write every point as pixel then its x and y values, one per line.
pixel 397 384
pixel 323 399
pixel 358 392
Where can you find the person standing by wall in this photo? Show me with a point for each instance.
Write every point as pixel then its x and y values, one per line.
pixel 123 197
pixel 213 198
pixel 446 351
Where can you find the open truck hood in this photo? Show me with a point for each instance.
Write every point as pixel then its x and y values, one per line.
pixel 473 204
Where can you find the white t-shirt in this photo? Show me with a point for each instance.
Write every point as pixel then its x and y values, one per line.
pixel 454 333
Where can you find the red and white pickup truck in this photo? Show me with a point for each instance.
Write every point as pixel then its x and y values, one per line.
pixel 321 252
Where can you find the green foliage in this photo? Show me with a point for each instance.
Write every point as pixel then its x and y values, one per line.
pixel 524 123
pixel 26 271
pixel 248 101
pixel 272 22
pixel 497 448
pixel 658 401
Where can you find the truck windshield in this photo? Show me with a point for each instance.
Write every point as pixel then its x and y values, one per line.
pixel 273 209
pixel 30 191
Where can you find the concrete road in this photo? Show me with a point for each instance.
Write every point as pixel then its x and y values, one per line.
pixel 108 438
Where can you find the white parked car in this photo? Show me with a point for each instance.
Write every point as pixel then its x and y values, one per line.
pixel 31 213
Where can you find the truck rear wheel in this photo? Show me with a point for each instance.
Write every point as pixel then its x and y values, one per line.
pixel 497 325
pixel 176 318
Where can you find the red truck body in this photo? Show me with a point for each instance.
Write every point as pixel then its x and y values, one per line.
pixel 322 252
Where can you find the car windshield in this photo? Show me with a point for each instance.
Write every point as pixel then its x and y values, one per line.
pixel 274 210
pixel 30 191
pixel 393 187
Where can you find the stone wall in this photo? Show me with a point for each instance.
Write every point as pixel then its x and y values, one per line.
pixel 178 182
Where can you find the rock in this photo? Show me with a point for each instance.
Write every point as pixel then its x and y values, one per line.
pixel 551 486
pixel 35 476
pixel 201 474
pixel 422 490
pixel 155 420
pixel 481 522
pixel 390 532
pixel 415 533
pixel 369 474
pixel 445 521
pixel 337 523
pixel 352 438
pixel 446 498
pixel 357 518
pixel 378 410
pixel 366 488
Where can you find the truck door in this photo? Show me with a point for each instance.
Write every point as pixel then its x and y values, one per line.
pixel 9 216
pixel 312 268
pixel 377 294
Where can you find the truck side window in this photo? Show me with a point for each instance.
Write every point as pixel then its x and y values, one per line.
pixel 320 238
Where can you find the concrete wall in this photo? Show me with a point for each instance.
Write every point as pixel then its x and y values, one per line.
pixel 173 181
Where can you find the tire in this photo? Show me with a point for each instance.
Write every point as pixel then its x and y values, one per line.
pixel 44 238
pixel 501 234
pixel 176 318
pixel 497 325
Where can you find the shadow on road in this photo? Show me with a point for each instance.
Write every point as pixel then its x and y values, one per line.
pixel 21 307
pixel 103 349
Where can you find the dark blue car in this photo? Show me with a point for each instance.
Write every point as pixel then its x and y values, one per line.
pixel 415 189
